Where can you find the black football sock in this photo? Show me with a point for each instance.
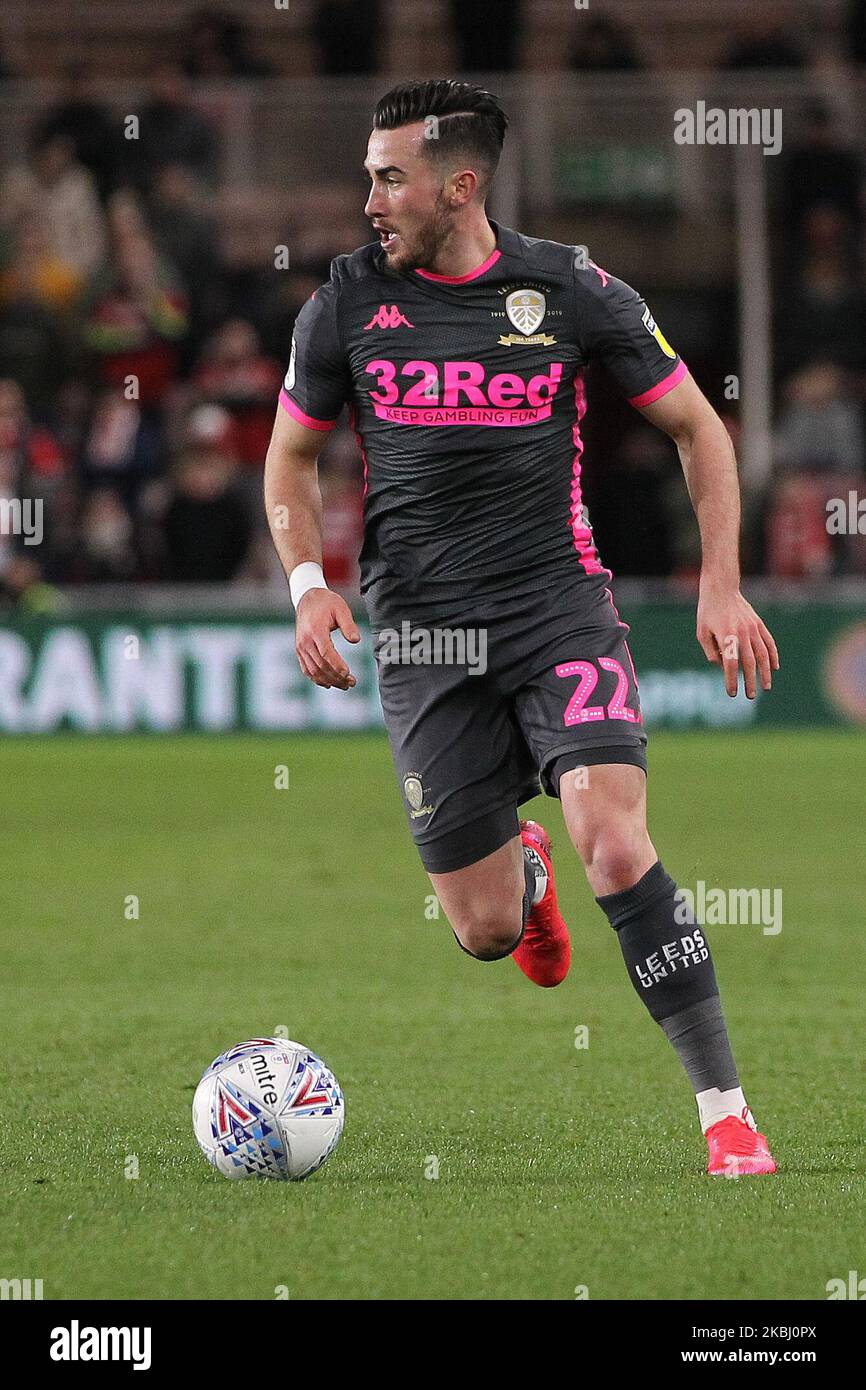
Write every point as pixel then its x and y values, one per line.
pixel 699 1036
pixel 528 891
pixel 669 963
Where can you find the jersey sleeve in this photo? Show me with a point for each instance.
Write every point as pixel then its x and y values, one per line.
pixel 616 328
pixel 317 382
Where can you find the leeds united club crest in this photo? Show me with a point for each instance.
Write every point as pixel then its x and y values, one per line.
pixel 414 792
pixel 526 309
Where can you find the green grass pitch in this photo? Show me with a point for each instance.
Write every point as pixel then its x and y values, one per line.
pixel 558 1167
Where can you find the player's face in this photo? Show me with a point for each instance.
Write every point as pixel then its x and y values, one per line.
pixel 408 205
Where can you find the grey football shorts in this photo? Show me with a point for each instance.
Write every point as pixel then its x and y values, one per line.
pixel 481 720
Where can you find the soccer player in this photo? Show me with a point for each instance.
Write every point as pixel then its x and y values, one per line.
pixel 460 347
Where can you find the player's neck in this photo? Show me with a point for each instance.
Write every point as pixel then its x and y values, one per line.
pixel 465 249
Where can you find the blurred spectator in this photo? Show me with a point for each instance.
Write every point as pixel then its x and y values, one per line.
pixel 61 193
pixel 762 43
pixel 104 550
pixel 30 455
pixel 70 412
pixel 821 313
pixel 603 45
pixel 19 578
pixel 137 318
pixel 122 448
pixel 172 131
pixel 215 45
pixel 206 525
pixel 798 543
pixel 350 36
pixel 235 374
pixel 125 215
pixel 820 427
pixel 484 45
pixel 85 121
pixel 35 349
pixel 272 302
pixel 820 168
pixel 34 272
pixel 820 450
pixel 188 236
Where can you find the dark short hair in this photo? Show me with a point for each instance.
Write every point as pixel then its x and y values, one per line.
pixel 470 119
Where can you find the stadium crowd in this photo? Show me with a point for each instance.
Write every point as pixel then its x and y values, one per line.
pixel 140 362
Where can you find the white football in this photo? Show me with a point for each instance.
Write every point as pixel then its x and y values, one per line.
pixel 268 1108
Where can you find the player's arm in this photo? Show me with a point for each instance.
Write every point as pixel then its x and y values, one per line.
pixel 293 502
pixel 615 326
pixel 728 628
pixel 316 386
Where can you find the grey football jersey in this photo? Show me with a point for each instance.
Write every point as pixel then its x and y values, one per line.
pixel 466 395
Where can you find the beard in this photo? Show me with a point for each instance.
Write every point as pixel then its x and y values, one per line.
pixel 421 252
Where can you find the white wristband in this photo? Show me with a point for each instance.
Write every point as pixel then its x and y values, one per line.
pixel 303 577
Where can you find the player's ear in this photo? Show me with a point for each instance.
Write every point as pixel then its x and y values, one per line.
pixel 462 187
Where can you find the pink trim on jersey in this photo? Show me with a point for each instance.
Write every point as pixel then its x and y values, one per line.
pixel 661 389
pixel 297 414
pixel 462 279
pixel 581 533
pixel 625 627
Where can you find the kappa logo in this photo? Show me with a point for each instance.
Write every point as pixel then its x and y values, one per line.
pixel 388 316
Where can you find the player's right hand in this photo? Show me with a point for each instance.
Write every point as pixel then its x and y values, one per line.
pixel 321 612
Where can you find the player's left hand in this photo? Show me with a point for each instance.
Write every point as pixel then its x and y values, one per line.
pixel 732 635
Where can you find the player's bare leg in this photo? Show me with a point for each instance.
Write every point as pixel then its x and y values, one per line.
pixel 483 902
pixel 666 952
pixel 505 904
pixel 605 812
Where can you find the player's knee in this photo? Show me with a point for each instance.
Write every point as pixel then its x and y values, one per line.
pixel 487 933
pixel 613 854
